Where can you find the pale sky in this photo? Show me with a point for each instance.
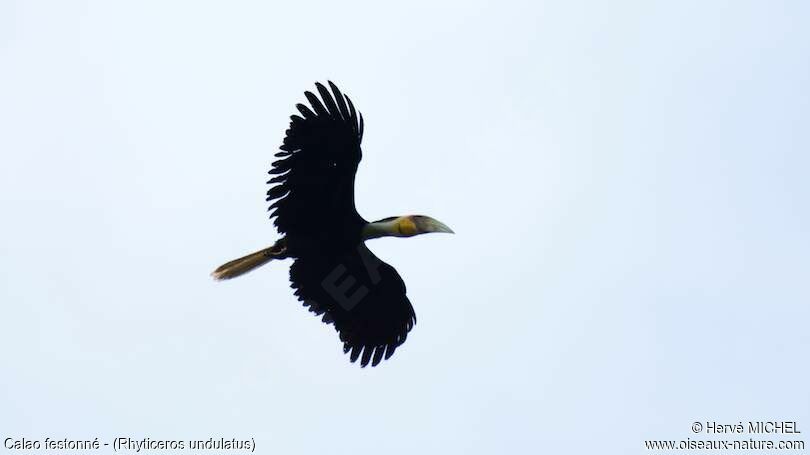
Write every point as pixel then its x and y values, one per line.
pixel 628 182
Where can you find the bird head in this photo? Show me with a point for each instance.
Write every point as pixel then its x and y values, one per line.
pixel 404 226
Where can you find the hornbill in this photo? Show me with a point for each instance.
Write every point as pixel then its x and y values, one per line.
pixel 334 274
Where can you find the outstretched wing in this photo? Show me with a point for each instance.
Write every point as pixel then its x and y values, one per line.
pixel 361 295
pixel 314 179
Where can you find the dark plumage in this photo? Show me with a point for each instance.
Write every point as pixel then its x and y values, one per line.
pixel 316 182
pixel 334 274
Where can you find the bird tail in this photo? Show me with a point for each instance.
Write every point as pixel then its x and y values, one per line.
pixel 245 264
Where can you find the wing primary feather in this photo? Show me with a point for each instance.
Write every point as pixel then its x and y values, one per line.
pixel 327 99
pixel 282 163
pixel 366 355
pixel 352 113
pixel 378 354
pixel 355 352
pixel 316 103
pixel 344 111
pixel 276 192
pixel 305 111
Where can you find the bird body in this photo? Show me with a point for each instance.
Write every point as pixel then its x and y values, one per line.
pixel 334 274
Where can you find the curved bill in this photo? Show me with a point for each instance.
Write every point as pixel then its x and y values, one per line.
pixel 427 224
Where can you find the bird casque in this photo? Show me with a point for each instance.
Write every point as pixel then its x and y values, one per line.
pixel 334 274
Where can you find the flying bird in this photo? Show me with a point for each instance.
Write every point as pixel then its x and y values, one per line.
pixel 334 274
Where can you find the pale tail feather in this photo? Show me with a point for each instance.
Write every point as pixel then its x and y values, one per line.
pixel 245 264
